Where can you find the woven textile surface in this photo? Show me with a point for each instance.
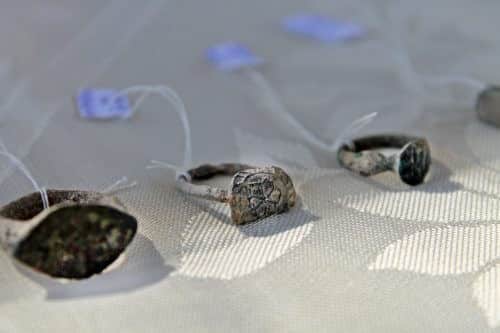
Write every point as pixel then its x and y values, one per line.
pixel 356 255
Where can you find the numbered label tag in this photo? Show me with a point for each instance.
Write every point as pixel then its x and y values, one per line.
pixel 103 104
pixel 231 56
pixel 322 28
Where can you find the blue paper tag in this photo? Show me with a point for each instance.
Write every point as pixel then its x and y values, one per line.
pixel 103 104
pixel 322 28
pixel 231 56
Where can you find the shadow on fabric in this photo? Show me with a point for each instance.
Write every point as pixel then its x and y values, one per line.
pixel 136 272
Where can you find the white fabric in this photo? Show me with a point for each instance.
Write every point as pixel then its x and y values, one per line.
pixel 358 255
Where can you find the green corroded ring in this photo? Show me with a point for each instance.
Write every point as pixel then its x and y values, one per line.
pixel 254 193
pixel 412 162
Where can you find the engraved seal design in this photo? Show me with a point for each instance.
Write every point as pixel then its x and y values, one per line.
pixel 254 194
pixel 260 193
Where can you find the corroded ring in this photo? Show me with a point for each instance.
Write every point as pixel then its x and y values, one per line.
pixel 412 162
pixel 254 193
pixel 79 235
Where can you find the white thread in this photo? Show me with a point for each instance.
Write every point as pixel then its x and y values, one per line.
pixel 159 165
pixel 400 54
pixel 403 61
pixel 119 185
pixel 164 165
pixel 115 184
pixel 352 128
pixel 2 145
pixel 407 73
pixel 452 79
pixel 412 78
pixel 14 160
pixel 408 76
pixel 179 107
pixel 278 109
pixel 402 58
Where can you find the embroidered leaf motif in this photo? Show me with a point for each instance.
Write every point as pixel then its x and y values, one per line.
pixel 415 205
pixel 442 251
pixel 486 292
pixel 456 191
pixel 215 248
pixel 483 142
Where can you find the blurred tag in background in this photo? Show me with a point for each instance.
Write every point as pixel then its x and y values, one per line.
pixel 232 56
pixel 103 104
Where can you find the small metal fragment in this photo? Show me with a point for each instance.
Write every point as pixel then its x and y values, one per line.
pixel 488 105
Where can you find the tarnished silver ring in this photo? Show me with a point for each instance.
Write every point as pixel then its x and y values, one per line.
pixel 254 193
pixel 412 162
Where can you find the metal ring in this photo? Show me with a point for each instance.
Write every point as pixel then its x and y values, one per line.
pixel 412 162
pixel 254 193
pixel 79 235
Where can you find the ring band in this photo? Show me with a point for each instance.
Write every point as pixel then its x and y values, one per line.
pixel 412 162
pixel 254 193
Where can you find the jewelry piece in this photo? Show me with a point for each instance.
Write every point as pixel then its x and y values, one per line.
pixel 79 235
pixel 254 193
pixel 488 105
pixel 411 163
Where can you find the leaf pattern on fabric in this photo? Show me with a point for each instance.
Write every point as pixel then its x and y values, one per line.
pixel 460 191
pixel 479 180
pixel 215 248
pixel 483 142
pixel 442 251
pixel 452 250
pixel 457 191
pixel 415 205
pixel 486 292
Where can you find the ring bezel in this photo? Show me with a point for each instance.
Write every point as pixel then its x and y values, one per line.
pixel 412 162
pixel 254 193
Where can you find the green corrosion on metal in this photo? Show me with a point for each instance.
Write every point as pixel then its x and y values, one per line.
pixel 78 241
pixel 414 162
